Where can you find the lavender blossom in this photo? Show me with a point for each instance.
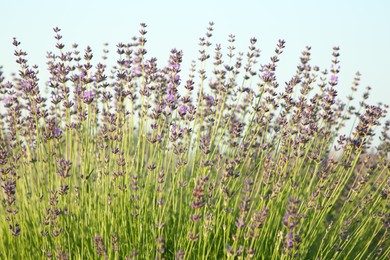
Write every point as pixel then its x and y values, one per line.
pixel 88 97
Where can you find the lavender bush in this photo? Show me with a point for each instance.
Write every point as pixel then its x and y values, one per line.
pixel 138 162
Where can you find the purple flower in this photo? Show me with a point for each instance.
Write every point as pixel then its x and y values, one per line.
pixel 289 240
pixel 183 110
pixel 7 102
pixel 170 99
pixel 176 66
pixel 57 132
pixel 170 86
pixel 176 79
pixel 27 86
pixel 334 79
pixel 88 97
pixel 268 76
pixel 285 219
pixel 82 75
pixel 88 94
pixel 210 100
pixel 137 71
pixel 176 133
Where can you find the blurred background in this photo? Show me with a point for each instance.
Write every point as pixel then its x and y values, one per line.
pixel 360 28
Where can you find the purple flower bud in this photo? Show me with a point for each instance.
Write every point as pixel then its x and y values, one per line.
pixel 268 76
pixel 210 100
pixel 286 217
pixel 290 241
pixel 176 66
pixel 183 110
pixel 334 79
pixel 7 102
pixel 176 79
pixel 57 132
pixel 169 86
pixel 88 94
pixel 88 97
pixel 170 99
pixel 82 75
pixel 137 71
pixel 26 86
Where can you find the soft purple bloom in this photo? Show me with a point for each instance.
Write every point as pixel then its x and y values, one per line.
pixel 57 132
pixel 290 240
pixel 210 100
pixel 78 89
pixel 27 86
pixel 176 133
pixel 268 76
pixel 176 66
pixel 334 78
pixel 88 94
pixel 7 102
pixel 176 78
pixel 170 98
pixel 137 71
pixel 82 75
pixel 169 86
pixel 183 110
pixel 88 97
pixel 286 218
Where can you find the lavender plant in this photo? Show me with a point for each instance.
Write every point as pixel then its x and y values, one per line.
pixel 137 162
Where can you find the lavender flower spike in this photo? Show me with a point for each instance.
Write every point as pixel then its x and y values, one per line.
pixel 88 97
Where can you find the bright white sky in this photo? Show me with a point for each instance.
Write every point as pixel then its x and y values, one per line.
pixel 361 28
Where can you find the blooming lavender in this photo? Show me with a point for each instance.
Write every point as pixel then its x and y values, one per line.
pixel 139 161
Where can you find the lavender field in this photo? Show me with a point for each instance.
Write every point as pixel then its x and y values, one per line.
pixel 145 161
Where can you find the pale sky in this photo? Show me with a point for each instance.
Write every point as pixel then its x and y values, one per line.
pixel 360 28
